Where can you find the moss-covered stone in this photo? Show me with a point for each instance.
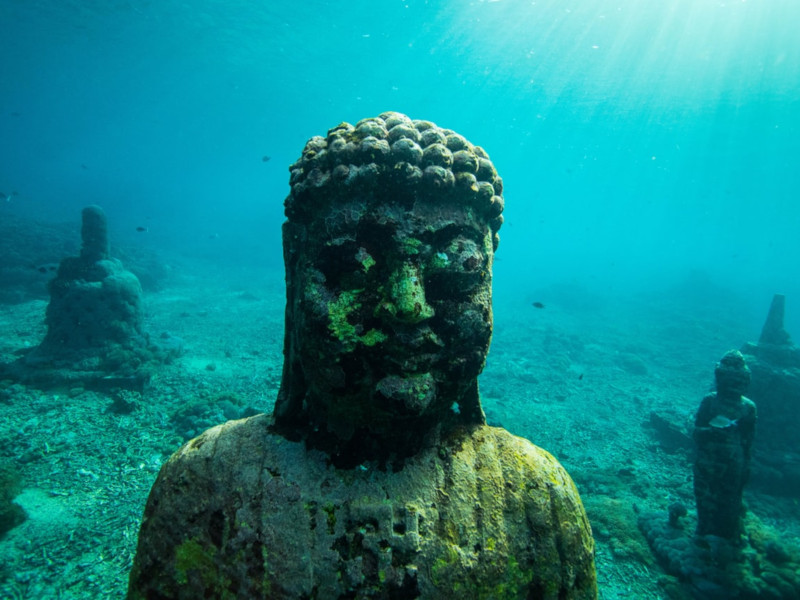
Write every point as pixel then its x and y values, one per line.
pixel 482 514
pixel 377 476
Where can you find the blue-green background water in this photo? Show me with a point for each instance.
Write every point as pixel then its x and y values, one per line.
pixel 649 149
pixel 639 140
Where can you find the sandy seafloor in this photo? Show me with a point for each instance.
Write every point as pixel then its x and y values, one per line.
pixel 579 377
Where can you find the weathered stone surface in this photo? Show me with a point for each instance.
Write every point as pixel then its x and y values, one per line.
pixel 731 554
pixel 241 512
pixel 773 331
pixel 388 252
pixel 94 320
pixel 775 387
pixel 724 430
pixel 377 477
pixel 712 568
pixel 669 435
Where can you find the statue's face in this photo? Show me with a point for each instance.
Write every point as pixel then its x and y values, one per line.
pixel 732 383
pixel 732 375
pixel 394 312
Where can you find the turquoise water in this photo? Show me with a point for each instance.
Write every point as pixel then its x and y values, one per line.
pixel 646 147
pixel 637 139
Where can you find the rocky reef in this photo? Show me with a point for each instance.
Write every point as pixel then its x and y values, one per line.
pixel 376 477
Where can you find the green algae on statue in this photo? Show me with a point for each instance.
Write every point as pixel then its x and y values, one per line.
pixel 391 232
pixel 377 476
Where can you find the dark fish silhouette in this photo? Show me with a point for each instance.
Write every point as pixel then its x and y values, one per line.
pixel 141 229
pixel 538 305
pixel 265 158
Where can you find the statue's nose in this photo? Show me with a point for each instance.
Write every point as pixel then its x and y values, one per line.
pixel 405 297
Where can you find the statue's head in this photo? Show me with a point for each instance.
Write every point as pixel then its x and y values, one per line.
pixel 391 232
pixel 732 375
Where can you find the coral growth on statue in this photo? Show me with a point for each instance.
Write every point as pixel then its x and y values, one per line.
pixel 376 477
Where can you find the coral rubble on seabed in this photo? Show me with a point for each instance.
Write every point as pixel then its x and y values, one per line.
pixel 87 472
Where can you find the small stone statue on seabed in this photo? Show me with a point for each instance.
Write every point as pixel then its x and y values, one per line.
pixel 724 429
pixel 377 477
pixel 731 554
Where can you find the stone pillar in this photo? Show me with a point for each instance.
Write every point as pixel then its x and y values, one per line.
pixel 773 331
pixel 94 235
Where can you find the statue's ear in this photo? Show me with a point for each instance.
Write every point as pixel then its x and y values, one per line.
pixel 289 403
pixel 470 406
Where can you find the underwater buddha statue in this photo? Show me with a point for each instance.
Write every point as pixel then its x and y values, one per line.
pixel 377 476
pixel 724 431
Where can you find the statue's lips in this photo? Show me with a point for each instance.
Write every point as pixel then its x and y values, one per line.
pixel 411 351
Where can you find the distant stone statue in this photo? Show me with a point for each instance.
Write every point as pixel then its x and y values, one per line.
pixel 731 553
pixel 377 476
pixel 95 304
pixel 95 335
pixel 724 430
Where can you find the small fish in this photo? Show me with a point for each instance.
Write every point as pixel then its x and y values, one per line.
pixel 142 229
pixel 8 197
pixel 42 269
pixel 722 422
pixel 580 376
pixel 538 305
pixel 265 158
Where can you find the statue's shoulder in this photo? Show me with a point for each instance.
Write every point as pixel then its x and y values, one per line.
pixel 526 469
pixel 748 407
pixel 223 450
